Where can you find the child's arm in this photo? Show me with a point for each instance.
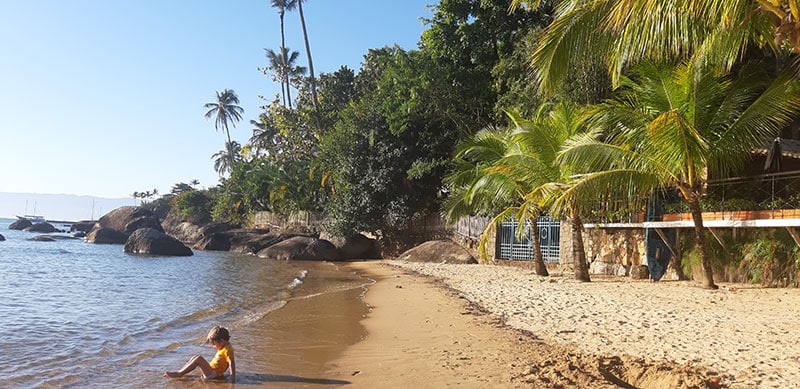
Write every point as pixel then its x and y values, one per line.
pixel 232 363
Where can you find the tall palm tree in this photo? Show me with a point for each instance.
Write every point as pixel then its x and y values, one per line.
pixel 311 78
pixel 485 181
pixel 282 6
pixel 224 159
pixel 623 33
pixel 283 69
pixel 674 126
pixel 225 111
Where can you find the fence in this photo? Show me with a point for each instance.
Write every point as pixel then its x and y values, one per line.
pixel 519 247
pixel 471 227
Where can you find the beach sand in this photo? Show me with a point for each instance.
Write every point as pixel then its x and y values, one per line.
pixel 496 326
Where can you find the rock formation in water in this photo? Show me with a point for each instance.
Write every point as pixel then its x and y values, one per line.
pixel 154 242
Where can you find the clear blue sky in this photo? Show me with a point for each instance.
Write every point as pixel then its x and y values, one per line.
pixel 105 98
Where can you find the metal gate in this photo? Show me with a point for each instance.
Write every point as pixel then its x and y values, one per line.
pixel 510 246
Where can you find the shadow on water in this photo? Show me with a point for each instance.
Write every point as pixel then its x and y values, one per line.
pixel 255 378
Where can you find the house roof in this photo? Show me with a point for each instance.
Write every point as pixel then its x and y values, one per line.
pixel 790 148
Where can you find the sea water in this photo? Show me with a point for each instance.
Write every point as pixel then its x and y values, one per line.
pixel 76 314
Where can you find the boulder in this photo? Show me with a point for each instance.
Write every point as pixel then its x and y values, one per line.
pixel 240 240
pixel 2 238
pixel 357 247
pixel 190 233
pixel 191 230
pixel 155 242
pixel 20 224
pixel 82 226
pixel 215 242
pixel 106 236
pixel 44 227
pixel 253 241
pixel 438 251
pixel 301 248
pixel 128 219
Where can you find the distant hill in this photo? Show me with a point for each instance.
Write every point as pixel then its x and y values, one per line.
pixel 59 206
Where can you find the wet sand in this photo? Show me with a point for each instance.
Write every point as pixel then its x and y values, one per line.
pixel 290 347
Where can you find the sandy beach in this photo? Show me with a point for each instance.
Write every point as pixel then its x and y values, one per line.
pixel 497 326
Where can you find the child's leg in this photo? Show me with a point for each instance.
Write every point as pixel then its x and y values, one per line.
pixel 194 362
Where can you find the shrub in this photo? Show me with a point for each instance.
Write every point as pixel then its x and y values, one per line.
pixel 195 205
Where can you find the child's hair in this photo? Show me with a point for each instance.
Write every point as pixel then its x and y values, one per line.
pixel 219 333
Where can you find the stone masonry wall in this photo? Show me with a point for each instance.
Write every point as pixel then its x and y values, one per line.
pixel 611 251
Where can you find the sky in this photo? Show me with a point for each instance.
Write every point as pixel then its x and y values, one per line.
pixel 105 98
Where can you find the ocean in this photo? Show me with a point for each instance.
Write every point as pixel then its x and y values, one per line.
pixel 75 314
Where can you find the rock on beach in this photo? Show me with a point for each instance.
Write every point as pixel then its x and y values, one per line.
pixel 441 251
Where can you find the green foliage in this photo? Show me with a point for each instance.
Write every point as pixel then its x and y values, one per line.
pixel 159 206
pixel 196 205
pixel 770 260
pixel 262 185
pixel 756 256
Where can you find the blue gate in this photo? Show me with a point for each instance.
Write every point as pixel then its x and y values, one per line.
pixel 519 248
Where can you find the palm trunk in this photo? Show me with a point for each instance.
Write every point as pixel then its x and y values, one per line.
pixel 578 253
pixel 285 81
pixel 229 146
pixel 308 53
pixel 677 259
pixel 288 92
pixel 700 240
pixel 538 261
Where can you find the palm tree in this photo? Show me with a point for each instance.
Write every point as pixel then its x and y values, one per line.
pixel 485 180
pixel 311 78
pixel 224 159
pixel 284 69
pixel 264 134
pixel 623 33
pixel 282 6
pixel 674 126
pixel 224 111
pixel 553 189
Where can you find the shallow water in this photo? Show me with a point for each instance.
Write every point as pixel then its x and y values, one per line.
pixel 74 314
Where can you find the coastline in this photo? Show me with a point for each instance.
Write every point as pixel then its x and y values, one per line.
pixel 427 327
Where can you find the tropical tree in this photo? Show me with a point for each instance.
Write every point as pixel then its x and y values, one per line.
pixel 224 160
pixel 676 126
pixel 264 134
pixel 551 180
pixel 312 81
pixel 225 111
pixel 283 68
pixel 623 33
pixel 282 6
pixel 490 168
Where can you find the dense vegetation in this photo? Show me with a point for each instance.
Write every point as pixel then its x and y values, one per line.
pixel 517 108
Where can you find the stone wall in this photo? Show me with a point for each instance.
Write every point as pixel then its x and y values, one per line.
pixel 611 251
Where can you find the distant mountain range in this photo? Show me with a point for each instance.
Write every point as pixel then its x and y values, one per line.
pixel 58 206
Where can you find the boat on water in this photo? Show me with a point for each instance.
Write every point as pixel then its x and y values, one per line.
pixel 33 218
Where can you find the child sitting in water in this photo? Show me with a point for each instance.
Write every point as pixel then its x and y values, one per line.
pixel 218 337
